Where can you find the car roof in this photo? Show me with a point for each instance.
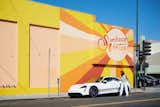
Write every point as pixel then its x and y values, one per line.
pixel 110 77
pixel 150 76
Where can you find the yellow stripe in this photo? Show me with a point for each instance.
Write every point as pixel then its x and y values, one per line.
pixel 120 102
pixel 74 59
pixel 98 28
pixel 128 72
pixel 106 71
pixel 22 90
pixel 130 35
pixel 83 17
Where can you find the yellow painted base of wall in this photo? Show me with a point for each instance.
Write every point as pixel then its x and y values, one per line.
pixel 23 91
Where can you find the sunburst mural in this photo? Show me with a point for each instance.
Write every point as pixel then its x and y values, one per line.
pixel 90 49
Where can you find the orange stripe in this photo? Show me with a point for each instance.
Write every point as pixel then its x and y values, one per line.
pixel 69 19
pixel 124 30
pixel 103 27
pixel 73 76
pixel 128 58
pixel 130 43
pixel 109 27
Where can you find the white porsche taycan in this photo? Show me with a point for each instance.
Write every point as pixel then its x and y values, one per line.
pixel 103 85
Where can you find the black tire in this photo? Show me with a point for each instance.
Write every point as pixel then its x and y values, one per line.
pixel 72 96
pixel 154 83
pixel 93 91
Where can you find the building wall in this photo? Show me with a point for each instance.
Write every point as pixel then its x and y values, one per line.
pixel 154 59
pixel 79 49
pixel 89 43
pixel 59 44
pixel 23 13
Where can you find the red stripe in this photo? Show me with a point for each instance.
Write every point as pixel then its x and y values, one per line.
pixel 94 72
pixel 129 60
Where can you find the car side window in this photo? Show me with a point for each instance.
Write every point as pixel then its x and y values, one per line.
pixel 108 79
pixel 115 79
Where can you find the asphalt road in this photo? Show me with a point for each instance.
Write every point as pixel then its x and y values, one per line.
pixel 136 99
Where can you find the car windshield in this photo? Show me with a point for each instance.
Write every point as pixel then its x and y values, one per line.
pixel 150 77
pixel 99 79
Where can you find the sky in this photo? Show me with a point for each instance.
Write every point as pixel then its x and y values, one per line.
pixel 119 13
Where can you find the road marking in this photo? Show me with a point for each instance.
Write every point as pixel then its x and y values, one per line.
pixel 75 99
pixel 120 102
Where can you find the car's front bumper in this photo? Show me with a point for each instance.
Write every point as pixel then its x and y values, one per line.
pixel 75 94
pixel 79 92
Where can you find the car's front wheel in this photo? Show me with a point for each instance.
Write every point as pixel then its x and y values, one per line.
pixel 93 91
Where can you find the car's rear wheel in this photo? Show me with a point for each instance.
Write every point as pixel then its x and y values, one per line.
pixel 93 91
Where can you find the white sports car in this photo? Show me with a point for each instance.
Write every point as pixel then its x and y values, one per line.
pixel 103 85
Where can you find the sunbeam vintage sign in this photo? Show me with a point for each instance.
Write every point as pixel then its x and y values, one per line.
pixel 115 43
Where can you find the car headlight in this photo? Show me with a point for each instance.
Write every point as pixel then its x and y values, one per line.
pixel 83 87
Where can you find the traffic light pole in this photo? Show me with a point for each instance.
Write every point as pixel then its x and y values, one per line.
pixel 142 72
pixel 137 53
pixel 146 49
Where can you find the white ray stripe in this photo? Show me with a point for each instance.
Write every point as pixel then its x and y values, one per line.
pixel 69 30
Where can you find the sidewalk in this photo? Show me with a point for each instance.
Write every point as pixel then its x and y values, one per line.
pixel 62 95
pixel 34 96
pixel 146 89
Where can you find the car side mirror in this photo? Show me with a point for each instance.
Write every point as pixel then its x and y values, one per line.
pixel 104 81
